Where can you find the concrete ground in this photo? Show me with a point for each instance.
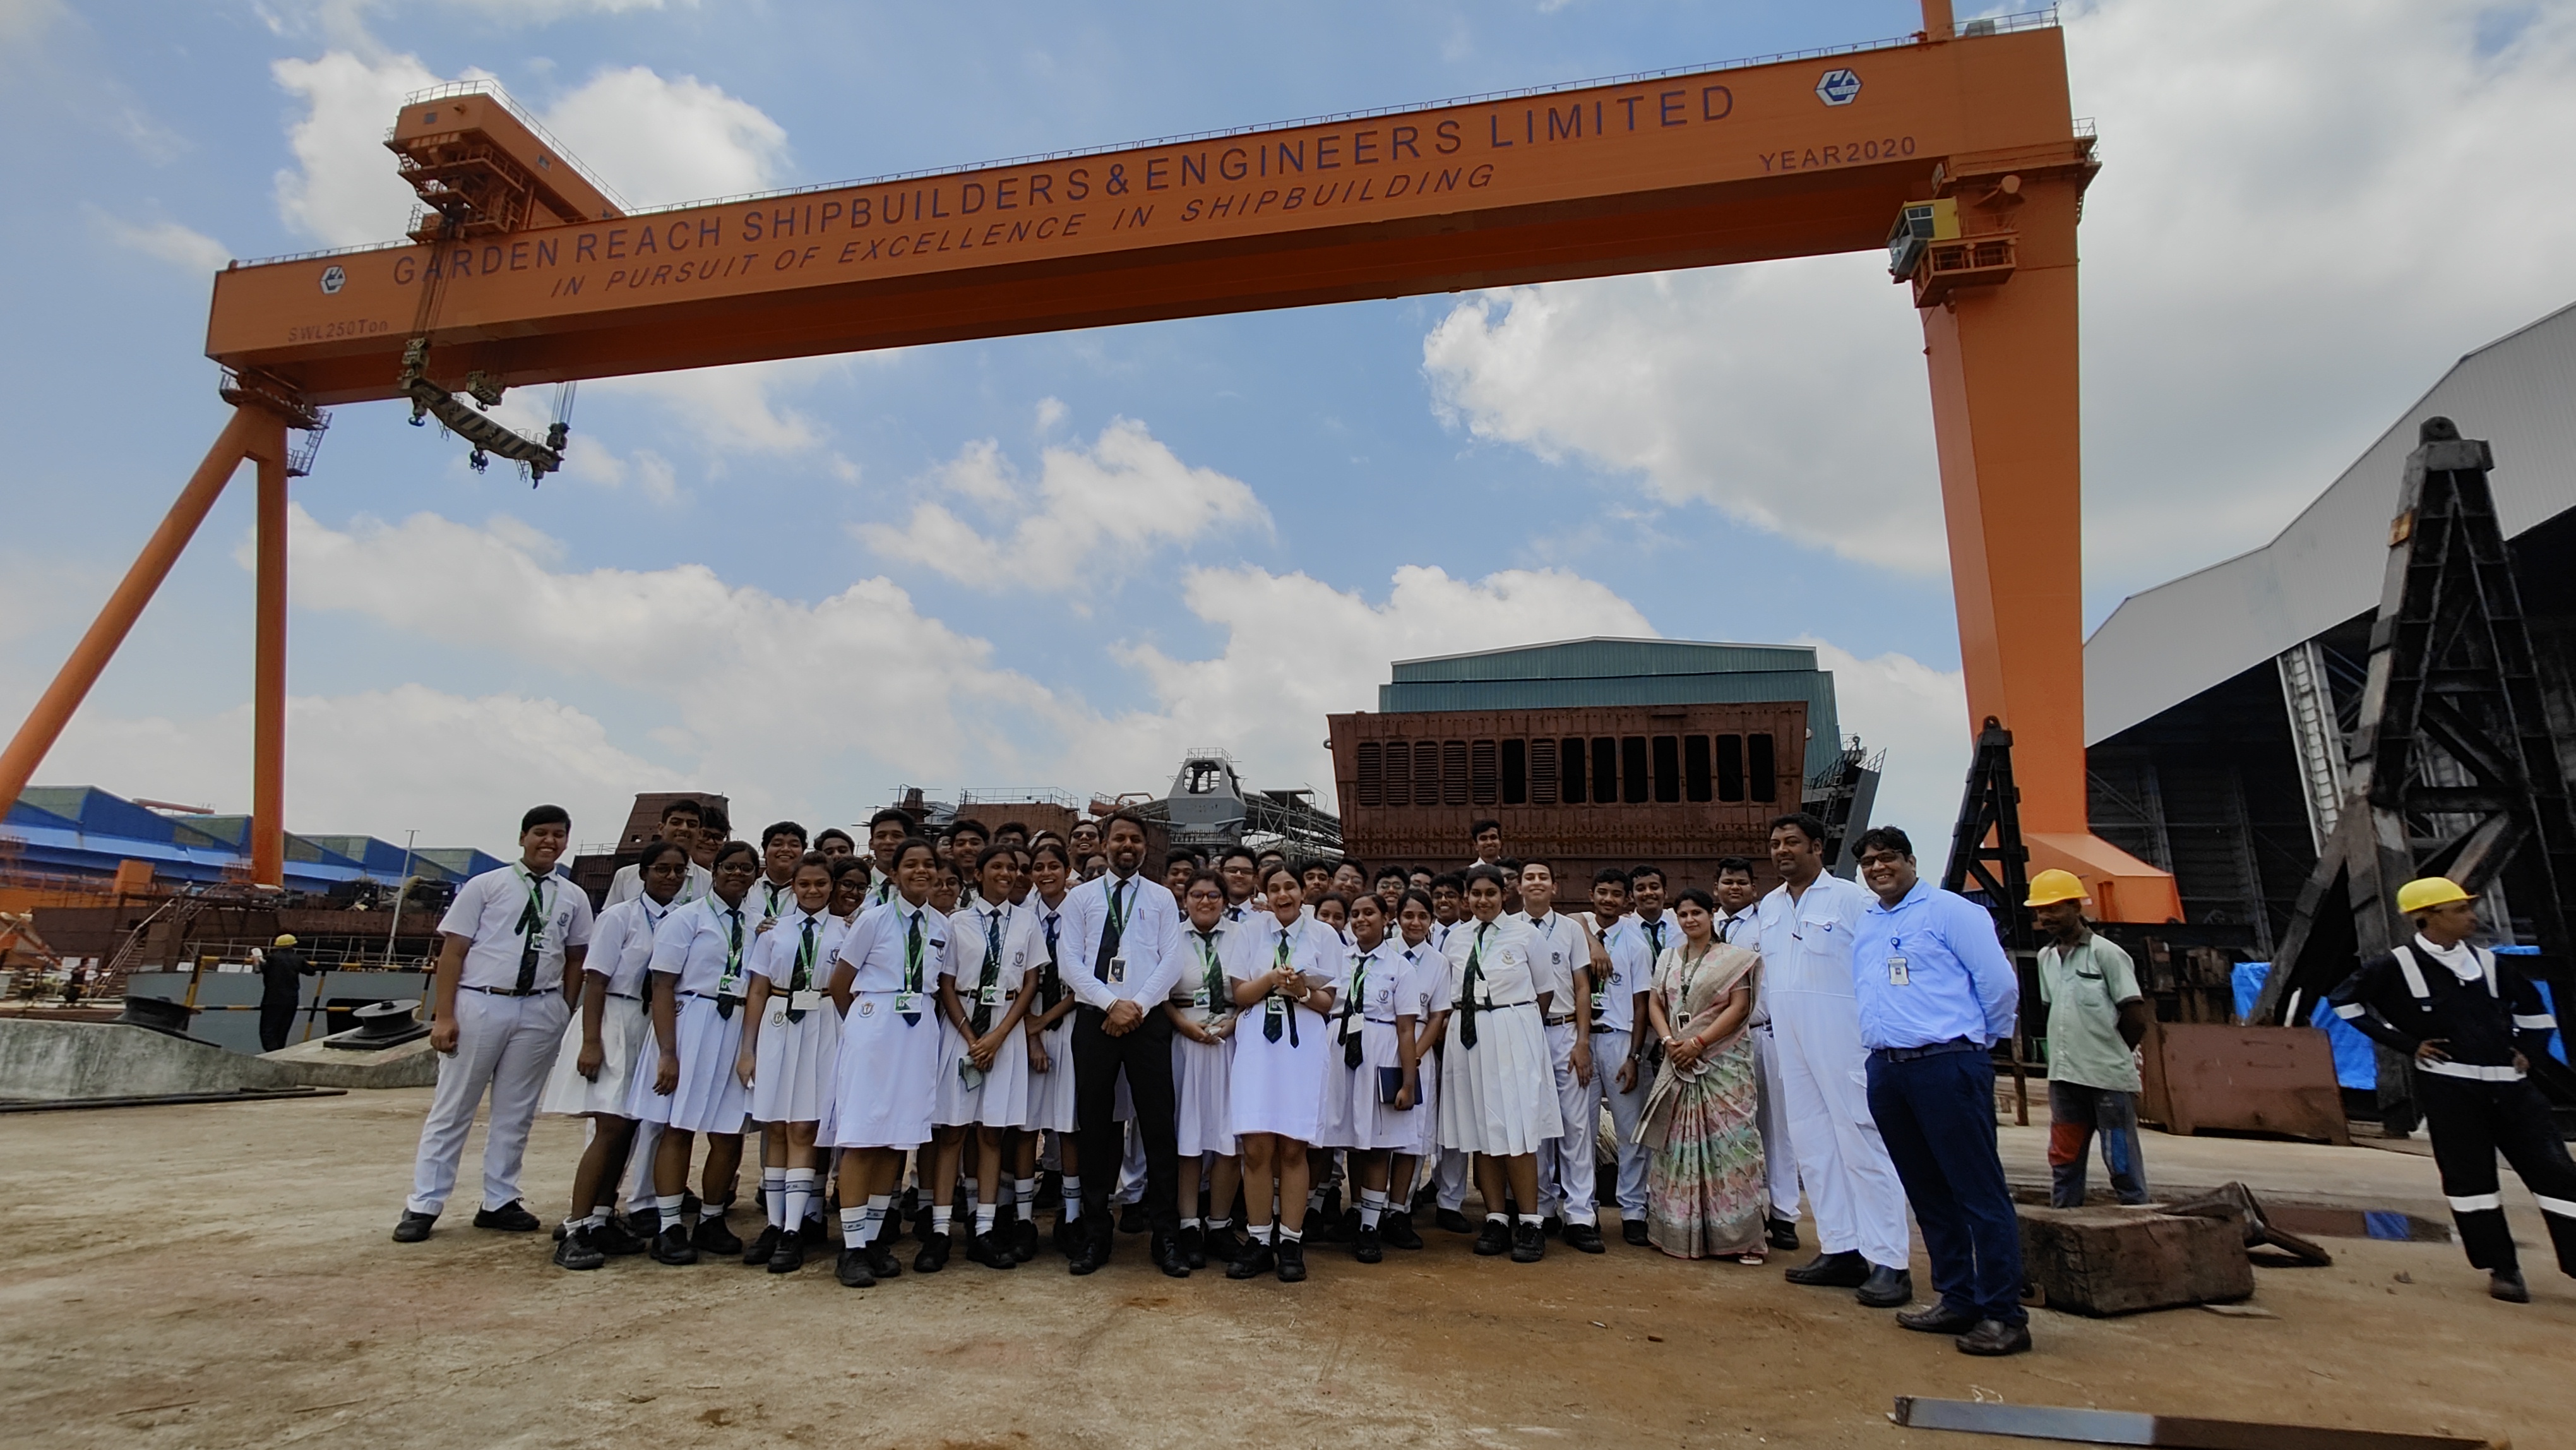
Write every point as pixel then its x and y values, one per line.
pixel 221 1275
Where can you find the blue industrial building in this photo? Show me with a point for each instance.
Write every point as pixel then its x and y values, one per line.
pixel 85 831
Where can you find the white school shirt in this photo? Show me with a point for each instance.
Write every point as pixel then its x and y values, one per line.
pixel 621 944
pixel 1190 990
pixel 1149 940
pixel 1417 990
pixel 1555 950
pixel 486 913
pixel 769 900
pixel 1504 966
pixel 875 947
pixel 1381 985
pixel 1313 950
pixel 880 888
pixel 775 956
pixel 1023 951
pixel 1630 968
pixel 1806 944
pixel 696 941
pixel 628 884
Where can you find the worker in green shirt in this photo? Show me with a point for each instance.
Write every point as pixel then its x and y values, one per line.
pixel 2096 1018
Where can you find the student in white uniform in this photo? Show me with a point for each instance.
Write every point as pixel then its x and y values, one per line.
pixel 1201 1009
pixel 1497 1084
pixel 1561 971
pixel 1448 906
pixel 681 820
pixel 1049 1028
pixel 1425 974
pixel 985 984
pixel 1620 1074
pixel 1284 973
pixel 850 883
pixel 1806 926
pixel 592 1079
pixel 774 894
pixel 509 959
pixel 887 830
pixel 684 1076
pixel 1737 924
pixel 1372 1085
pixel 889 1061
pixel 788 1061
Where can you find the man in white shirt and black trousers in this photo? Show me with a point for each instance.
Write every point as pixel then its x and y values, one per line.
pixel 1122 952
pixel 507 974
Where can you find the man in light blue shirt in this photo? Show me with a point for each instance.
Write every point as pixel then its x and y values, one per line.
pixel 1936 991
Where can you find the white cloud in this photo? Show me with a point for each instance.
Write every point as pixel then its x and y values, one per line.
pixel 1778 393
pixel 1298 649
pixel 1095 512
pixel 1919 716
pixel 733 409
pixel 656 141
pixel 167 241
pixel 344 191
pixel 381 763
pixel 22 21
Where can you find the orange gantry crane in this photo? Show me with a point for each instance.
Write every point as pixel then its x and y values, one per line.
pixel 1954 148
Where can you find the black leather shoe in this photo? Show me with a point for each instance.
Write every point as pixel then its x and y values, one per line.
pixel 577 1252
pixel 1936 1319
pixel 1255 1261
pixel 1632 1231
pixel 1367 1246
pixel 933 1256
pixel 712 1235
pixel 644 1223
pixel 1134 1220
pixel 1169 1258
pixel 1398 1231
pixel 615 1239
pixel 1024 1240
pixel 989 1250
pixel 1494 1238
pixel 1193 1245
pixel 1095 1247
pixel 1529 1244
pixel 1585 1237
pixel 925 1222
pixel 413 1227
pixel 762 1247
pixel 789 1256
pixel 510 1218
pixel 1225 1245
pixel 672 1246
pixel 1068 1237
pixel 1454 1221
pixel 1781 1234
pixel 853 1271
pixel 1292 1261
pixel 881 1258
pixel 1993 1337
pixel 1886 1288
pixel 1551 1226
pixel 563 1229
pixel 1846 1270
pixel 2504 1284
pixel 1345 1229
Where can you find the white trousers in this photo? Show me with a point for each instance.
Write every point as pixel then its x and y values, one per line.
pixel 1771 1117
pixel 1843 1163
pixel 1565 1167
pixel 506 1045
pixel 1610 1053
pixel 1452 1180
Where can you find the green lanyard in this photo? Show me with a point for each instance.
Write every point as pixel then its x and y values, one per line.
pixel 802 978
pixel 1211 974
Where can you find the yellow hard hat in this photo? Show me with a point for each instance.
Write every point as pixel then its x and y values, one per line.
pixel 2052 886
pixel 2426 892
pixel 286 939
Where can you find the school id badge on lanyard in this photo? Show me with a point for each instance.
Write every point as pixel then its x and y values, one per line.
pixel 1897 975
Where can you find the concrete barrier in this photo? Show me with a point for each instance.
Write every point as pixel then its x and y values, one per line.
pixel 51 1061
pixel 317 1064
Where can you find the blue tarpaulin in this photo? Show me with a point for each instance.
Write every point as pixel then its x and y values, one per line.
pixel 2355 1064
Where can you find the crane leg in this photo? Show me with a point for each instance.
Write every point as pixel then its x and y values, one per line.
pixel 268 691
pixel 44 724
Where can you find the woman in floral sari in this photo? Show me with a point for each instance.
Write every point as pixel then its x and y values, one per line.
pixel 1705 1193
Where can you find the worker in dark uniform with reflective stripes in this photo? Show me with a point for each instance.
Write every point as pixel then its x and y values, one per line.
pixel 2471 1024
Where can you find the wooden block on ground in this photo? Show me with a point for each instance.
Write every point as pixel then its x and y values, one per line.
pixel 2122 1260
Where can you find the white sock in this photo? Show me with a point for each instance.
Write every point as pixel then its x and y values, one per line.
pixel 1314 1200
pixel 1189 1223
pixel 1372 1204
pixel 1219 1225
pixel 1024 1192
pixel 1496 1217
pixel 943 1217
pixel 668 1206
pixel 1289 1235
pixel 800 1196
pixel 854 1228
pixel 1073 1198
pixel 872 1217
pixel 984 1213
pixel 1529 1220
pixel 773 1196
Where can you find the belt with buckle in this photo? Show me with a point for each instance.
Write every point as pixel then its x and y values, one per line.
pixel 508 991
pixel 1932 1049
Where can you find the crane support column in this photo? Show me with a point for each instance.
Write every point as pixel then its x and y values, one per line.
pixel 72 683
pixel 268 693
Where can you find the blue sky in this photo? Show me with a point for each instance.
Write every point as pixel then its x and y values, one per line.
pixel 733 586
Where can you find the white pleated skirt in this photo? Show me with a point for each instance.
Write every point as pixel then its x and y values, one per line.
pixel 1499 1096
pixel 1353 1117
pixel 1202 1095
pixel 1050 1095
pixel 709 1098
pixel 1278 1087
pixel 886 1077
pixel 1000 1101
pixel 621 1024
pixel 795 1064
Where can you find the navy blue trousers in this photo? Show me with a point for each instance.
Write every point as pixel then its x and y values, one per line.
pixel 1937 1117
